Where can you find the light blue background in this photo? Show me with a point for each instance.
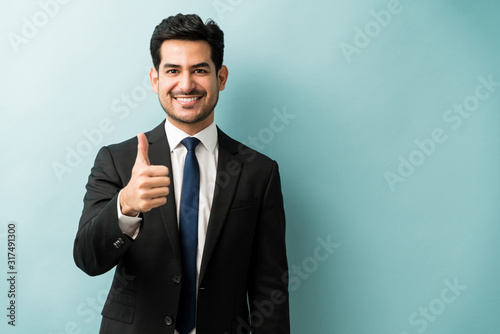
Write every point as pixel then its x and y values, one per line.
pixel 352 118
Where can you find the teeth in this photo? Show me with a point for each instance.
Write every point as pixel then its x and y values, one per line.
pixel 187 99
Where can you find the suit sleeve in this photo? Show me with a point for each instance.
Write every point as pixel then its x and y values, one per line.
pixel 268 284
pixel 100 243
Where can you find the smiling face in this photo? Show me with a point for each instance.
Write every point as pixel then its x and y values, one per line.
pixel 188 84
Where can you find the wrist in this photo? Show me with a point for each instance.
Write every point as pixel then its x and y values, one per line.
pixel 125 209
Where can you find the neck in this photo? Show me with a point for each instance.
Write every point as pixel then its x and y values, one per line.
pixel 192 128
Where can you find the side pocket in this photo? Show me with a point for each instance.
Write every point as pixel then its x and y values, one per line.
pixel 120 306
pixel 117 311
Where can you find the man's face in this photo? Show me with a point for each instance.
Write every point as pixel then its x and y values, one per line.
pixel 187 84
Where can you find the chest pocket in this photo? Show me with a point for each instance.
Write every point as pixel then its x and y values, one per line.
pixel 244 203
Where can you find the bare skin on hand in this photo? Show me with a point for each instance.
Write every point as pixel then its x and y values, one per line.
pixel 148 185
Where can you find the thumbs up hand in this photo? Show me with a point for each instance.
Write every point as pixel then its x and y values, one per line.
pixel 148 185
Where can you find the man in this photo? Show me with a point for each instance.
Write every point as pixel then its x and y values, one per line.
pixel 192 219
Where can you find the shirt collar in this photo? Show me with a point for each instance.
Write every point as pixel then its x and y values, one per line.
pixel 207 136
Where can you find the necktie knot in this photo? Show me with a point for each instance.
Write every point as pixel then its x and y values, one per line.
pixel 190 143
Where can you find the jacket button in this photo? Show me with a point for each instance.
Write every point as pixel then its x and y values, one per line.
pixel 119 243
pixel 168 321
pixel 176 279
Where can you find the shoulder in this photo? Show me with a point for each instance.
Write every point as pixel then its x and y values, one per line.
pixel 244 153
pixel 129 146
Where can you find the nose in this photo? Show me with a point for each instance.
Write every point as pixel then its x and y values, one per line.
pixel 186 83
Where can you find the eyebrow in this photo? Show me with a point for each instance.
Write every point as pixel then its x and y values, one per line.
pixel 202 64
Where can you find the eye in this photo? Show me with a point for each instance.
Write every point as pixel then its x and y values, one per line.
pixel 199 71
pixel 171 71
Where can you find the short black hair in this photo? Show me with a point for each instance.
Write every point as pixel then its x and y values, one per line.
pixel 188 27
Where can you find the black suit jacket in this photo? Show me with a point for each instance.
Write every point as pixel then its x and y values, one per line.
pixel 244 255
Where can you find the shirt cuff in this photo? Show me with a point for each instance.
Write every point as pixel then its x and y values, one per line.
pixel 129 225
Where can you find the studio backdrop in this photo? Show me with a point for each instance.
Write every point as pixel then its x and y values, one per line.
pixel 383 116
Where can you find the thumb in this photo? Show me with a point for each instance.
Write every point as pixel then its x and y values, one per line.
pixel 142 149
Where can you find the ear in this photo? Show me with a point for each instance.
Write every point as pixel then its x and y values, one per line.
pixel 222 77
pixel 153 75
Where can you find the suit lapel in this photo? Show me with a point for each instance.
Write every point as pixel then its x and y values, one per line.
pixel 228 172
pixel 159 154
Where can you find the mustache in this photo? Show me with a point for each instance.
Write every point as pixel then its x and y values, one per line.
pixel 195 91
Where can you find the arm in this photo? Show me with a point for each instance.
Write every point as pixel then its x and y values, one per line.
pixel 268 290
pixel 100 243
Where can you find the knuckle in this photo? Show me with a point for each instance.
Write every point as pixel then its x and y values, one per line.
pixel 145 207
pixel 142 194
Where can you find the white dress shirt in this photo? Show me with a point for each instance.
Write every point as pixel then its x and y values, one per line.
pixel 207 153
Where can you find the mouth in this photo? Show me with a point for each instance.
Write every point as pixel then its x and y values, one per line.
pixel 187 101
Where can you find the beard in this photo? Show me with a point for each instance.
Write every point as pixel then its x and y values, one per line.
pixel 206 109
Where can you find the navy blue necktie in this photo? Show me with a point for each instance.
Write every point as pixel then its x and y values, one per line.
pixel 188 230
